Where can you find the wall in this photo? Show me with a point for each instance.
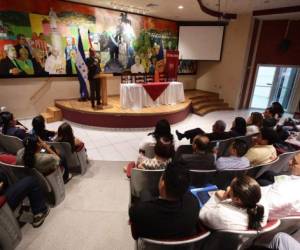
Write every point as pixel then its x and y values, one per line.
pixel 226 77
pixel 29 97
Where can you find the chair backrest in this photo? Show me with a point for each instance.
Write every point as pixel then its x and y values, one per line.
pixel 239 239
pixel 139 78
pixel 149 150
pixel 265 167
pixel 126 78
pixel 10 233
pixel 224 146
pixel 71 157
pixel 82 157
pixel 224 177
pixel 186 243
pixel 56 183
pixel 149 78
pixel 282 165
pixel 163 77
pixel 200 178
pixel 11 144
pixel 142 179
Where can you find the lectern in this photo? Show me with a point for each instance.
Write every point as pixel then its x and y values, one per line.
pixel 102 80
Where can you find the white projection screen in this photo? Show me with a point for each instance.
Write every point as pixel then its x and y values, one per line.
pixel 200 42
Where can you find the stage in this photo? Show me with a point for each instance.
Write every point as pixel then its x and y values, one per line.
pixel 114 116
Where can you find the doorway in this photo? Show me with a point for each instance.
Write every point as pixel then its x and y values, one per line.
pixel 273 83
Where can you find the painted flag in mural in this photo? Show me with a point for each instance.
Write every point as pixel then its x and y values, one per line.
pixel 82 69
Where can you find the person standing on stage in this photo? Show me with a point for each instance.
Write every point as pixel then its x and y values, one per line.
pixel 93 64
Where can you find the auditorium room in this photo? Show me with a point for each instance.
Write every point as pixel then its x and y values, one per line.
pixel 150 124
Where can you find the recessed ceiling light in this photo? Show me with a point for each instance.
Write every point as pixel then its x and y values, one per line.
pixel 180 7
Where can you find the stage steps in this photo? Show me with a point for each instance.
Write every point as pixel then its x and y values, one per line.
pixel 52 114
pixel 204 102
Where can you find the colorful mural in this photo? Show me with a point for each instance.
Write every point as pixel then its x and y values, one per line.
pixel 41 39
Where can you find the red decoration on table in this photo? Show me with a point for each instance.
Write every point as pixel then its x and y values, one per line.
pixel 155 89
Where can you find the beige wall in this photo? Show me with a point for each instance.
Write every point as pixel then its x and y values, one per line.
pixel 226 77
pixel 28 97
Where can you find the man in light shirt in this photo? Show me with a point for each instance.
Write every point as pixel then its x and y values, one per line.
pixel 264 151
pixel 236 160
pixel 282 196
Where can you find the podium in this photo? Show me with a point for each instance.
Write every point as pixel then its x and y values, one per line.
pixel 102 80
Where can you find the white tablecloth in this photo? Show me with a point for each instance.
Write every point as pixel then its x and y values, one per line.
pixel 134 96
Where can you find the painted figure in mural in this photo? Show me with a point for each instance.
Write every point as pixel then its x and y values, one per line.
pixel 93 64
pixel 55 63
pixel 24 63
pixel 8 65
pixel 39 42
pixel 71 63
pixel 123 52
pixel 69 46
pixel 137 67
pixel 22 43
pixel 113 48
pixel 53 20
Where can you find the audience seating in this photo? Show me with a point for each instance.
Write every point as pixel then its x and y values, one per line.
pixel 141 180
pixel 139 78
pixel 10 144
pixel 10 233
pixel 52 184
pixel 149 78
pixel 126 78
pixel 265 167
pixel 180 244
pixel 234 239
pixel 200 178
pixel 75 160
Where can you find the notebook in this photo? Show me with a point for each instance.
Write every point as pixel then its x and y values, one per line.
pixel 203 194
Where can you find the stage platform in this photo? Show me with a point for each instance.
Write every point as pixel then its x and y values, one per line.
pixel 116 117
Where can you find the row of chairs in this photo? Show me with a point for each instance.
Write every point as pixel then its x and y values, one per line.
pixel 76 161
pixel 225 239
pixel 141 78
pixel 143 179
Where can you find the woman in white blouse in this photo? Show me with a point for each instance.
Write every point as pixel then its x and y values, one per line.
pixel 236 208
pixel 254 123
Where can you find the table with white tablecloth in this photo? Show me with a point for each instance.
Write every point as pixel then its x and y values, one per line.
pixel 134 96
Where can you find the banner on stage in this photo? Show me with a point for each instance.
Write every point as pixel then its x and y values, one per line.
pixel 172 63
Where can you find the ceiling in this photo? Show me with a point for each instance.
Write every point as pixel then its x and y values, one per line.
pixel 191 11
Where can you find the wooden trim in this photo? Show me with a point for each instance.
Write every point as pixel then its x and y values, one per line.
pixel 283 10
pixel 202 23
pixel 216 13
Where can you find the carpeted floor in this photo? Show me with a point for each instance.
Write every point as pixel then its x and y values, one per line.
pixel 94 214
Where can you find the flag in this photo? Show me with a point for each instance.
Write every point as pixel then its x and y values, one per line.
pixel 82 70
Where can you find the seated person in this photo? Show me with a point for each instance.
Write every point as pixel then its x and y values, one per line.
pixel 278 110
pixel 163 154
pixel 11 127
pixel 218 132
pixel 16 192
pixel 237 208
pixel 202 157
pixel 254 123
pixel 263 151
pixel 65 134
pixel 174 214
pixel 269 118
pixel 282 196
pixel 32 155
pixel 39 129
pixel 239 127
pixel 236 160
pixel 162 129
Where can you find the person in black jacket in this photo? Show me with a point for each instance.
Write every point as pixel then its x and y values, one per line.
pixel 93 64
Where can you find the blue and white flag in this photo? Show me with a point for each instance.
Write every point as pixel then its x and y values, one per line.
pixel 82 69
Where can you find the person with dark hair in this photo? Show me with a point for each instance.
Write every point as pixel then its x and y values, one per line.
pixel 174 214
pixel 16 190
pixel 93 64
pixel 218 132
pixel 65 134
pixel 39 129
pixel 202 156
pixel 31 156
pixel 263 151
pixel 163 154
pixel 236 160
pixel 269 118
pixel 254 123
pixel 278 110
pixel 237 208
pixel 22 43
pixel 239 127
pixel 10 126
pixel 162 129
